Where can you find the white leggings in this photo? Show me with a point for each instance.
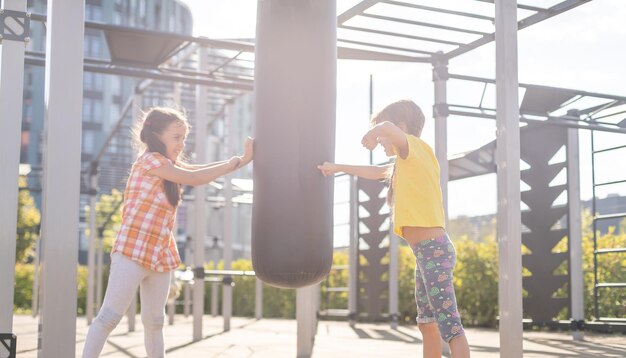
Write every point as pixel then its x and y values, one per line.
pixel 124 278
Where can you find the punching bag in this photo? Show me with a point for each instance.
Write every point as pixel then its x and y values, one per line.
pixel 295 94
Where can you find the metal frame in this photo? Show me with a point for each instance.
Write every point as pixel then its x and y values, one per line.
pixel 448 46
pixel 226 86
pixel 11 94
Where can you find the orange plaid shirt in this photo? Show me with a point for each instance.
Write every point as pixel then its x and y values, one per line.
pixel 145 235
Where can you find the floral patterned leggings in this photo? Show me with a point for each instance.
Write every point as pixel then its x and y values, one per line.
pixel 434 291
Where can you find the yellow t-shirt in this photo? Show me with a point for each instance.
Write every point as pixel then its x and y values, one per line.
pixel 417 199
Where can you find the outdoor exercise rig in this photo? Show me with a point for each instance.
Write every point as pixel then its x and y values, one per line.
pixel 294 114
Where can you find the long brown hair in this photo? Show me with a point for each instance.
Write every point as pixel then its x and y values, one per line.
pixel 155 121
pixel 403 111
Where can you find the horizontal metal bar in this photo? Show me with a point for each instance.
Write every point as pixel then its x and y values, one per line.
pixel 229 273
pixel 526 85
pixel 426 24
pixel 553 121
pixel 397 34
pixel 357 9
pixel 610 251
pixel 138 73
pixel 610 216
pixel 221 44
pixel 339 267
pixel 612 319
pixel 472 107
pixel 540 15
pixel 612 182
pixel 336 289
pixel 369 44
pixel 471 114
pixel 610 115
pixel 608 149
pixel 347 53
pixel 444 11
pixel 611 285
pixel 520 6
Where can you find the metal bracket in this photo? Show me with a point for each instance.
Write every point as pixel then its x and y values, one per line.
pixel 14 25
pixel 441 110
pixel 8 343
pixel 228 281
pixel 577 325
pixel 198 272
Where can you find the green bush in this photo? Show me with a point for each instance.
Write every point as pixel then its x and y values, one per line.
pixel 475 281
pixel 23 294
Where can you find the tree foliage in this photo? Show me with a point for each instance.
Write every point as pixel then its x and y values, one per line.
pixel 28 219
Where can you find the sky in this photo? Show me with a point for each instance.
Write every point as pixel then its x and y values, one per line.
pixel 582 49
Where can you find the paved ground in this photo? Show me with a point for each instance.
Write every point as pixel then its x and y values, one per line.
pixel 277 338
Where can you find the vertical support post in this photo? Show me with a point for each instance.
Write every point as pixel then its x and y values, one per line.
pixel 575 232
pixel 200 199
pixel 91 252
pixel 508 171
pixel 393 279
pixel 188 263
pixel 11 101
pixel 132 309
pixel 353 254
pixel 371 109
pixel 258 299
pixel 227 289
pixel 99 268
pixel 306 315
pixel 61 176
pixel 171 303
pixel 440 112
pixel 215 287
pixel 35 294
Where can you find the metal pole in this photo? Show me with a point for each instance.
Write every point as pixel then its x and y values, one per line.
pixel 132 308
pixel 575 231
pixel 188 263
pixel 371 109
pixel 11 101
pixel 61 176
pixel 200 199
pixel 353 255
pixel 91 253
pixel 440 78
pixel 35 301
pixel 214 296
pixel 227 291
pixel 99 264
pixel 171 303
pixel 393 279
pixel 507 160
pixel 306 308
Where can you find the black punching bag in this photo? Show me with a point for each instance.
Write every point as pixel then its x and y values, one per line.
pixel 295 94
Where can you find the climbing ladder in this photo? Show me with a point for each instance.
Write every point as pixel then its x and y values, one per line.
pixel 597 217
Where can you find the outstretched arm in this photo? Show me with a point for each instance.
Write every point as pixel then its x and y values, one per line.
pixel 376 172
pixel 207 173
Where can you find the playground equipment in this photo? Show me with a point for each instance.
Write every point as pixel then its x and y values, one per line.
pixel 64 24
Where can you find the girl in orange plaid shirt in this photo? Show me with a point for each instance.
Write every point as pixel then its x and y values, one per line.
pixel 145 251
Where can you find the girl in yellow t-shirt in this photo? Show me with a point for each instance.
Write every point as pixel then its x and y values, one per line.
pixel 418 217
